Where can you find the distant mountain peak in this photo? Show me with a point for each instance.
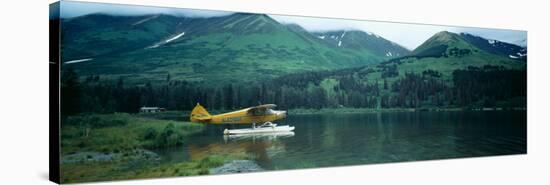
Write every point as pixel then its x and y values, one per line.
pixel 438 44
pixel 496 47
pixel 446 43
pixel 244 23
pixel 252 16
pixel 362 40
pixel 445 37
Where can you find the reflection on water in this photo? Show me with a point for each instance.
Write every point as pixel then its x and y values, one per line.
pixel 264 146
pixel 258 136
pixel 346 139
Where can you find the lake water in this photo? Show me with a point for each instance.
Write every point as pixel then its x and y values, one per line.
pixel 352 139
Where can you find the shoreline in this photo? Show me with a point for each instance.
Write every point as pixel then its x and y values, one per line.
pixel 182 114
pixel 385 110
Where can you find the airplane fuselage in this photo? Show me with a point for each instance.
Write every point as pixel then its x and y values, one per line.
pixel 244 117
pixel 257 114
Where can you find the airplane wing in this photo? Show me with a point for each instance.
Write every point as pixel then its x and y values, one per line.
pixel 265 106
pixel 204 118
pixel 199 117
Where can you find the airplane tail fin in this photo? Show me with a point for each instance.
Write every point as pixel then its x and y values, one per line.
pixel 199 114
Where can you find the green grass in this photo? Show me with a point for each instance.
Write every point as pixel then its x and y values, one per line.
pixel 117 132
pixel 89 172
pixel 123 133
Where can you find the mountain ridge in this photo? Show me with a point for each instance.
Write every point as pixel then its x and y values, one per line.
pixel 240 47
pixel 362 40
pixel 446 43
pixel 206 49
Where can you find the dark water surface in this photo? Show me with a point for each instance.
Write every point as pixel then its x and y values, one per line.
pixel 351 139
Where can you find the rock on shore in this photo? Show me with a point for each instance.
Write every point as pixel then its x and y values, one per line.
pixel 81 157
pixel 237 166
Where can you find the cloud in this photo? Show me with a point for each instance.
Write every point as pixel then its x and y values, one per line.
pixel 408 35
pixel 510 36
pixel 70 9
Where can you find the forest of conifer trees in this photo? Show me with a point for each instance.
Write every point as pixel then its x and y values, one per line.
pixel 473 87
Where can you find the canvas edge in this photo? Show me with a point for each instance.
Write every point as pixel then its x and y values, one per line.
pixel 54 100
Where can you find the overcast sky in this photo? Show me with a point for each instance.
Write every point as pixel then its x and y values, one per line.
pixel 71 9
pixel 407 35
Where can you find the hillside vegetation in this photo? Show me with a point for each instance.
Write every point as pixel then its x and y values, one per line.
pixel 241 60
pixel 212 50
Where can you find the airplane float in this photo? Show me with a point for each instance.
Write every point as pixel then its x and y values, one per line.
pixel 263 114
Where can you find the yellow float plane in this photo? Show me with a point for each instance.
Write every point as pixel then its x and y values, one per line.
pixel 259 114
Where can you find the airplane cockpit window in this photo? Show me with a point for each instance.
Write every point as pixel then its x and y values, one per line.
pixel 258 112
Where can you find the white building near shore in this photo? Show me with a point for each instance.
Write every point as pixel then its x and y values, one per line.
pixel 151 109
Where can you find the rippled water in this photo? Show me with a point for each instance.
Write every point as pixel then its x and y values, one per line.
pixel 350 139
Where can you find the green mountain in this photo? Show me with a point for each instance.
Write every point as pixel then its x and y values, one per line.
pixel 438 44
pixel 217 62
pixel 242 47
pixel 361 41
pixel 497 47
pixel 447 70
pixel 451 44
pixel 440 55
pixel 97 35
pixel 446 52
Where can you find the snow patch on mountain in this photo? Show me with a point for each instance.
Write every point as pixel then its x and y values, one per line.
pixel 512 56
pixel 167 40
pixel 78 61
pixel 175 37
pixel 322 37
pixel 145 20
pixel 341 37
pixel 389 54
